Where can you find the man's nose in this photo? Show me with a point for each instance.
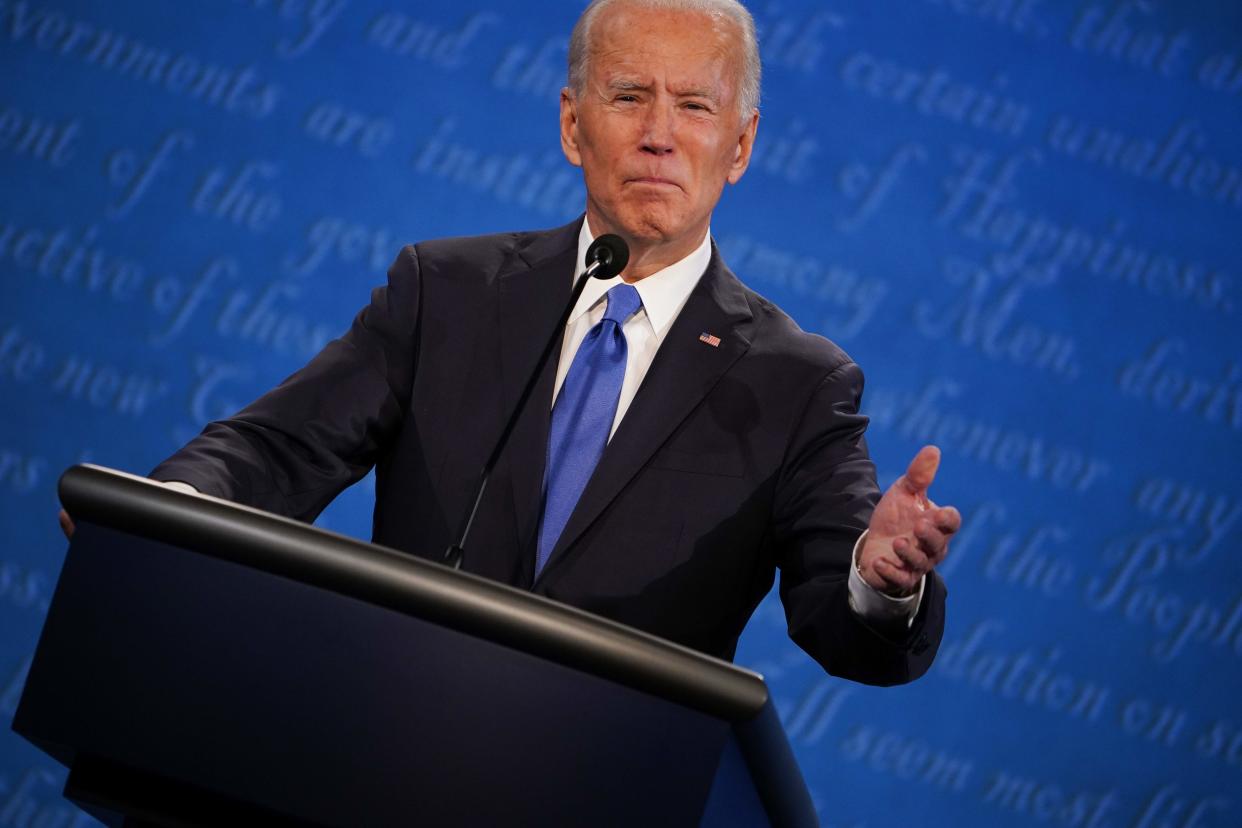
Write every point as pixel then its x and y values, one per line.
pixel 658 129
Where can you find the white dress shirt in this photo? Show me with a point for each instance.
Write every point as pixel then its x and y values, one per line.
pixel 664 293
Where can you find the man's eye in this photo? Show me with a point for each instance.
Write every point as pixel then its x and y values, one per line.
pixel 627 98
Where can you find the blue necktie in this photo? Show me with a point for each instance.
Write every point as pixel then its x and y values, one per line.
pixel 582 416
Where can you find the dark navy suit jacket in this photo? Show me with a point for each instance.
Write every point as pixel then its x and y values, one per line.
pixel 731 462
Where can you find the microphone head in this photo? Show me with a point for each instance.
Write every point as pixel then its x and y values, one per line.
pixel 612 254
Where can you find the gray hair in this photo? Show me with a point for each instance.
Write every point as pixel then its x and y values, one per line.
pixel 748 89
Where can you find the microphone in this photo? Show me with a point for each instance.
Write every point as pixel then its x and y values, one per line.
pixel 606 257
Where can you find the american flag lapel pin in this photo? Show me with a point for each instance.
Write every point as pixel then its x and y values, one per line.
pixel 710 339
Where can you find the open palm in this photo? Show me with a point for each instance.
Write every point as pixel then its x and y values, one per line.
pixel 909 534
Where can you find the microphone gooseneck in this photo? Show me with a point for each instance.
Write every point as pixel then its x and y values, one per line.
pixel 606 257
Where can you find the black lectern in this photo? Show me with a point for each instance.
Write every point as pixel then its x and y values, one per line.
pixel 203 663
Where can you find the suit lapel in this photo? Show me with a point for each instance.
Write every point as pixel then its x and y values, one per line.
pixel 684 370
pixel 532 297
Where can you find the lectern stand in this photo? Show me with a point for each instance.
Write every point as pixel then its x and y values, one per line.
pixel 203 663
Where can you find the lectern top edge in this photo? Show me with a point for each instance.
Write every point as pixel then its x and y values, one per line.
pixel 403 583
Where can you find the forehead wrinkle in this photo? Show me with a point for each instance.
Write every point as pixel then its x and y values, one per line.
pixel 628 78
pixel 627 69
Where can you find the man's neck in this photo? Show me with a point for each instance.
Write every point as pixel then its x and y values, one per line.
pixel 647 257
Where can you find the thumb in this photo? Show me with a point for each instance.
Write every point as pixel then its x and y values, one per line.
pixel 922 470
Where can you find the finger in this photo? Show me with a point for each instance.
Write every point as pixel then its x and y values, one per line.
pixel 902 546
pixel 898 580
pixel 931 542
pixel 922 471
pixel 891 574
pixel 947 519
pixel 923 549
pixel 914 558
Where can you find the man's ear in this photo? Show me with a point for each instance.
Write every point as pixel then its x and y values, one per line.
pixel 745 145
pixel 569 128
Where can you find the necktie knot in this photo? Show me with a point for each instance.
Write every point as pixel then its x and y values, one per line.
pixel 623 302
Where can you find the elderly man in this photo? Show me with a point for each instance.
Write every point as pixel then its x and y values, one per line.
pixel 688 440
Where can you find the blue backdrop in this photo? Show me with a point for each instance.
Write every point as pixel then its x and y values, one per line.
pixel 1022 217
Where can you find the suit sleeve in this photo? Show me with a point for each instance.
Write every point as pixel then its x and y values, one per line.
pixel 825 495
pixel 295 448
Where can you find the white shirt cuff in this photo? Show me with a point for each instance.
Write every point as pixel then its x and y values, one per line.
pixel 180 486
pixel 872 605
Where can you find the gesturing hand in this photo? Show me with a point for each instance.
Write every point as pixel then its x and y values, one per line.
pixel 66 524
pixel 909 535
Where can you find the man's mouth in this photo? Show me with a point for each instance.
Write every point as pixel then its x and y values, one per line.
pixel 654 181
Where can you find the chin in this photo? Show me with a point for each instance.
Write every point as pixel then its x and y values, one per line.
pixel 652 226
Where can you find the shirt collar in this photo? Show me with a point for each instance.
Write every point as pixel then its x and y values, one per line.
pixel 663 292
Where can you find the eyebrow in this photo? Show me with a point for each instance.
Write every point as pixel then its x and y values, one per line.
pixel 698 92
pixel 633 85
pixel 628 85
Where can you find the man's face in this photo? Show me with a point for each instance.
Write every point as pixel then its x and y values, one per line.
pixel 656 128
